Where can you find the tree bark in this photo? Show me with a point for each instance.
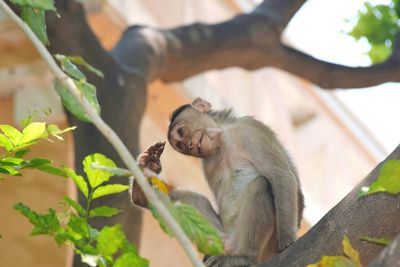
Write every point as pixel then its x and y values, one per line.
pixel 376 215
pixel 122 96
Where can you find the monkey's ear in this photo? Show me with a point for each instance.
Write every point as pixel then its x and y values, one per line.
pixel 201 105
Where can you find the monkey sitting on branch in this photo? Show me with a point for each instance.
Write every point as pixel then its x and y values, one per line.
pixel 255 184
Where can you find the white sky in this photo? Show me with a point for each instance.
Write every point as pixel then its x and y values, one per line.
pixel 318 29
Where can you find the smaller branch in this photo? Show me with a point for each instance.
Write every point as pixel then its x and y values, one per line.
pixel 111 136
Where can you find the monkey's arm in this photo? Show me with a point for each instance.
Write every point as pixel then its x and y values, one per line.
pixel 201 203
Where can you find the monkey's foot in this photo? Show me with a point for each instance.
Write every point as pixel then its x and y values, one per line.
pixel 229 261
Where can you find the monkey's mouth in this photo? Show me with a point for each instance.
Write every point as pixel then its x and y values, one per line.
pixel 195 148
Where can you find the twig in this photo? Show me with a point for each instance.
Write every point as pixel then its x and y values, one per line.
pixel 111 136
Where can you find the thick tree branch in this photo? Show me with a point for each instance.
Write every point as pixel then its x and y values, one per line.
pixel 250 41
pixel 376 215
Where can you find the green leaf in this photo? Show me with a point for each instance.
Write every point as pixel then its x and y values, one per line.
pixel 379 53
pixel 89 92
pixel 199 229
pixel 78 180
pixel 32 132
pixel 97 177
pixel 72 203
pixel 350 252
pixel 11 134
pixel 110 240
pixel 104 211
pixel 70 68
pixel 79 226
pixel 9 161
pixel 47 224
pixel 378 241
pixel 35 18
pixel 80 61
pixel 9 170
pixel 333 261
pixel 387 181
pixel 70 102
pixel 41 4
pixel 44 165
pixel 53 130
pixel 21 153
pixel 113 170
pixel 129 260
pixel 196 227
pixel 109 189
pixel 6 142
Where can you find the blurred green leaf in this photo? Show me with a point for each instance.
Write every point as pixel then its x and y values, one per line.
pixel 41 4
pixel 113 170
pixel 97 177
pixel 72 203
pixel 379 24
pixel 350 252
pixel 21 153
pixel 78 180
pixel 110 240
pixel 6 142
pixel 129 260
pixel 104 211
pixel 43 224
pixel 53 130
pixel 79 226
pixel 69 67
pixel 70 103
pixel 109 189
pixel 378 241
pixel 387 181
pixel 89 91
pixel 193 223
pixel 33 131
pixel 80 61
pixel 379 53
pixel 35 18
pixel 11 134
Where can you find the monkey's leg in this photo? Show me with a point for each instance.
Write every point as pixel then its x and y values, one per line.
pixel 253 230
pixel 286 200
pixel 199 202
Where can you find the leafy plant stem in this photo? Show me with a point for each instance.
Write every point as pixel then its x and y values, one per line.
pixel 112 137
pixel 87 212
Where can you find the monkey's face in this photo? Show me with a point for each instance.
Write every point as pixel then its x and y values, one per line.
pixel 193 133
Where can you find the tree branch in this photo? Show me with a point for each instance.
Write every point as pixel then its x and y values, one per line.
pixel 375 215
pixel 250 41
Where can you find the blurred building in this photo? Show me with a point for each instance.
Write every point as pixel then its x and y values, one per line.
pixel 330 146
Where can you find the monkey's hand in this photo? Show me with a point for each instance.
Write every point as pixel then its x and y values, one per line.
pixel 150 158
pixel 149 161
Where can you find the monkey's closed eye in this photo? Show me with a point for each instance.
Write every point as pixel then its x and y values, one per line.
pixel 180 132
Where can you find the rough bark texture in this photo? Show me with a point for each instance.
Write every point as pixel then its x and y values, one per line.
pixel 250 41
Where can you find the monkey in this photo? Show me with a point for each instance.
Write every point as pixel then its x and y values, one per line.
pixel 253 179
pixel 254 182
